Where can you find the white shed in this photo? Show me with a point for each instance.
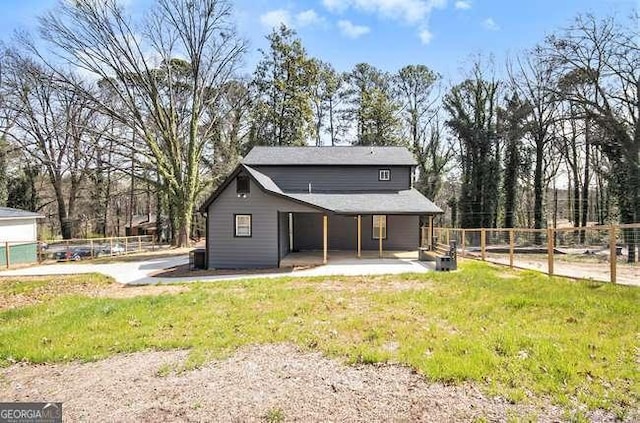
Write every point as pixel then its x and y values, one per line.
pixel 18 232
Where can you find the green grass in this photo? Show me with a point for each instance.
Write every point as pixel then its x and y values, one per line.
pixel 515 333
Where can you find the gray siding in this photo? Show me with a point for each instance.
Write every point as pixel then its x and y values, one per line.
pixel 337 178
pixel 261 249
pixel 402 232
pixel 283 235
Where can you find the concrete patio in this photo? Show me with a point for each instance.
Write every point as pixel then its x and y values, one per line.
pixel 141 272
pixel 315 258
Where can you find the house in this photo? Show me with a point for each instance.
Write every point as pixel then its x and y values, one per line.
pixel 140 225
pixel 18 232
pixel 284 199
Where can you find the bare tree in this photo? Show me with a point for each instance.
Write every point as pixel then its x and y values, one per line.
pixel 599 61
pixel 529 78
pixel 163 74
pixel 52 125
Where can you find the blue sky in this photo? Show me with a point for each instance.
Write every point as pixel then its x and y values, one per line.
pixel 442 34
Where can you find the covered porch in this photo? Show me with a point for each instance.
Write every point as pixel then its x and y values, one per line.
pixel 311 239
pixel 316 258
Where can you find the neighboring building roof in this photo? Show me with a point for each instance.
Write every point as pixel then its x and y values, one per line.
pixel 324 156
pixel 141 220
pixel 8 213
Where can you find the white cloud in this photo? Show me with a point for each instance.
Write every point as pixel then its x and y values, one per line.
pixel 490 24
pixel 462 5
pixel 415 13
pixel 352 31
pixel 275 18
pixel 308 18
pixel 409 11
pixel 335 5
pixel 425 36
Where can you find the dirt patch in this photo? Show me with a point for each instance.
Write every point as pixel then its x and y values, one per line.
pixel 128 291
pixel 252 385
pixel 69 285
pixel 365 283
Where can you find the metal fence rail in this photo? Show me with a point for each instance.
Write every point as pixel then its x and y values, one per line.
pixel 595 252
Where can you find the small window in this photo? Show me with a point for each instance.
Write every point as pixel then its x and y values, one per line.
pixel 243 225
pixel 242 184
pixel 379 221
pixel 384 175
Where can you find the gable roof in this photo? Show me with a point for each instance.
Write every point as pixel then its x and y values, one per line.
pixel 8 213
pixel 409 201
pixel 264 182
pixel 325 156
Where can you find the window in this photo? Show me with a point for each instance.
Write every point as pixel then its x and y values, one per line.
pixel 379 220
pixel 242 185
pixel 243 225
pixel 384 175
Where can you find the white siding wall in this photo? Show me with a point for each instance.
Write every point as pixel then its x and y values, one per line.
pixel 18 230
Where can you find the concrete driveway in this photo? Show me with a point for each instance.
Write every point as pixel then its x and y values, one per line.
pixel 140 272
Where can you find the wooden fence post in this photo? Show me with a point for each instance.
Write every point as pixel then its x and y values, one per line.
pixel 139 243
pixel 511 247
pixel 463 240
pixel 430 234
pixel 613 253
pixel 110 246
pixel 91 247
pixel 126 245
pixel 7 254
pixel 483 243
pixel 550 247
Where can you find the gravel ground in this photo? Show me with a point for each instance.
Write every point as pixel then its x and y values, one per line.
pixel 257 383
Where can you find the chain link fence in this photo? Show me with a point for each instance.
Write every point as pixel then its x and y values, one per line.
pixel 602 253
pixel 83 249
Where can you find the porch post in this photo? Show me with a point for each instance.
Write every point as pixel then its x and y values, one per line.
pixel 380 233
pixel 325 231
pixel 359 236
pixel 290 232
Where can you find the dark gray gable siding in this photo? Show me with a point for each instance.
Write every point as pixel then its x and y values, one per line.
pixel 261 249
pixel 403 233
pixel 337 178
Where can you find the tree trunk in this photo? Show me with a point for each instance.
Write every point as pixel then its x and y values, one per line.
pixel 585 184
pixel 63 218
pixel 333 138
pixel 537 191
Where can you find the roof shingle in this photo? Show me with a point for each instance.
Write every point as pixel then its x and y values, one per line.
pixel 323 156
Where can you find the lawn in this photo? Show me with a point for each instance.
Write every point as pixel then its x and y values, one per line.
pixel 517 334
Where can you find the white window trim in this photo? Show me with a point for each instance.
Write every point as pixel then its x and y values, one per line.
pixel 384 175
pixel 238 227
pixel 375 230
